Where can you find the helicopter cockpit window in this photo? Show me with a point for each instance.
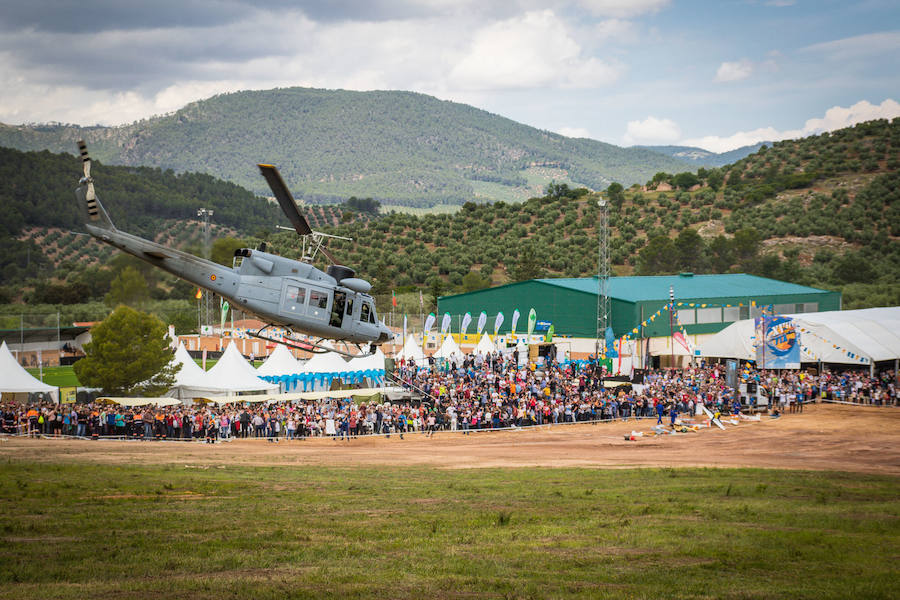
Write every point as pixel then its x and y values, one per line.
pixel 318 299
pixel 366 313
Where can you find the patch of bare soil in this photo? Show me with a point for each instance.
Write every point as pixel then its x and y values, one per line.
pixel 823 437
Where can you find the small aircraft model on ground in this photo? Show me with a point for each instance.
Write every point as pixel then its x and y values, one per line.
pixel 330 305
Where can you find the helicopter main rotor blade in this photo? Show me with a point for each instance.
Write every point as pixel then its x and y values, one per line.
pixel 285 199
pixel 90 195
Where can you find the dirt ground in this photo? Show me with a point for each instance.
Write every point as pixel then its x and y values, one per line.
pixel 824 437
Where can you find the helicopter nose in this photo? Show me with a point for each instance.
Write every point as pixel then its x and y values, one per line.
pixel 385 336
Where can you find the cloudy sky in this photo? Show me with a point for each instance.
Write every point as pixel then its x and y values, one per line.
pixel 716 74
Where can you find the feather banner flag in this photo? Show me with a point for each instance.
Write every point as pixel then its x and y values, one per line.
pixel 532 320
pixel 404 329
pixel 429 322
pixel 482 320
pixel 445 323
pixel 515 321
pixel 225 307
pixel 466 321
pixel 498 322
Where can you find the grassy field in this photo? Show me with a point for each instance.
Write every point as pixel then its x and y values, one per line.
pixel 73 530
pixel 57 376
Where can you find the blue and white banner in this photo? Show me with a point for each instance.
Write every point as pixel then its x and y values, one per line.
pixel 429 322
pixel 482 321
pixel 780 347
pixel 445 324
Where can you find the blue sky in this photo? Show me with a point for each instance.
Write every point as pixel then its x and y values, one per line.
pixel 714 74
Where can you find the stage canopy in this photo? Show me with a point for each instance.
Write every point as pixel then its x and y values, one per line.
pixel 857 337
pixel 140 401
pixel 15 379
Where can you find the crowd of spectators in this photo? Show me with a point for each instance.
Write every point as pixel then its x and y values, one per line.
pixel 470 393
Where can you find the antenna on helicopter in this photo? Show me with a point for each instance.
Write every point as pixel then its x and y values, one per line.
pixel 313 241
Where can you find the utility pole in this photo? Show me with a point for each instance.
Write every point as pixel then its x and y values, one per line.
pixel 602 275
pixel 205 214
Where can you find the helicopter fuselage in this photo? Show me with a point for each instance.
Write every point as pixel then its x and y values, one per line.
pixel 279 290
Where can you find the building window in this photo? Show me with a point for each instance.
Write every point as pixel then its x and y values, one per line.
pixel 783 309
pixel 732 313
pixel 709 315
pixel 686 316
pixel 810 307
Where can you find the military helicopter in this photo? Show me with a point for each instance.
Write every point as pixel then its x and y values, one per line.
pixel 330 305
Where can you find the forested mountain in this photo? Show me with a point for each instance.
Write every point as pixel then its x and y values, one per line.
pixel 821 211
pixel 398 147
pixel 704 158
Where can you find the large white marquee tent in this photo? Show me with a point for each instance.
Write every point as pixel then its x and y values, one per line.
pixel 16 380
pixel 235 374
pixel 858 337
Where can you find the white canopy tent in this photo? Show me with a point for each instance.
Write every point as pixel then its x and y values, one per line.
pixel 857 337
pixel 485 345
pixel 327 362
pixel 448 347
pixel 412 350
pixel 280 362
pixel 141 401
pixel 191 381
pixel 235 374
pixel 16 380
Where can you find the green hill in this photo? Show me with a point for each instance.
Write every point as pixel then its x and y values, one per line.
pixel 399 147
pixel 821 211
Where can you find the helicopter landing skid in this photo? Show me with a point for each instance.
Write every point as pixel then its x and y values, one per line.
pixel 314 347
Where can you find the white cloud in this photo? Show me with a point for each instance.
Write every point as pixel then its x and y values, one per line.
pixel 859 46
pixel 622 8
pixel 515 53
pixel 836 117
pixel 652 131
pixel 734 71
pixel 574 132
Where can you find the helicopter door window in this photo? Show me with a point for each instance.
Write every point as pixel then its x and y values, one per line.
pixel 337 309
pixel 350 307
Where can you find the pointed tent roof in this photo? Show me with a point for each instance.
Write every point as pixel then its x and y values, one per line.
pixel 235 374
pixel 412 349
pixel 328 362
pixel 485 345
pixel 190 375
pixel 448 347
pixel 374 361
pixel 280 362
pixel 13 378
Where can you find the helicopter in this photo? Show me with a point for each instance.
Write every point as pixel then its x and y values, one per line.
pixel 293 294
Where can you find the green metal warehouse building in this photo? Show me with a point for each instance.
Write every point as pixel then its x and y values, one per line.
pixel 708 303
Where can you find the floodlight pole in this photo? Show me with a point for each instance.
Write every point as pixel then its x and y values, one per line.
pixel 602 275
pixel 205 214
pixel 672 325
